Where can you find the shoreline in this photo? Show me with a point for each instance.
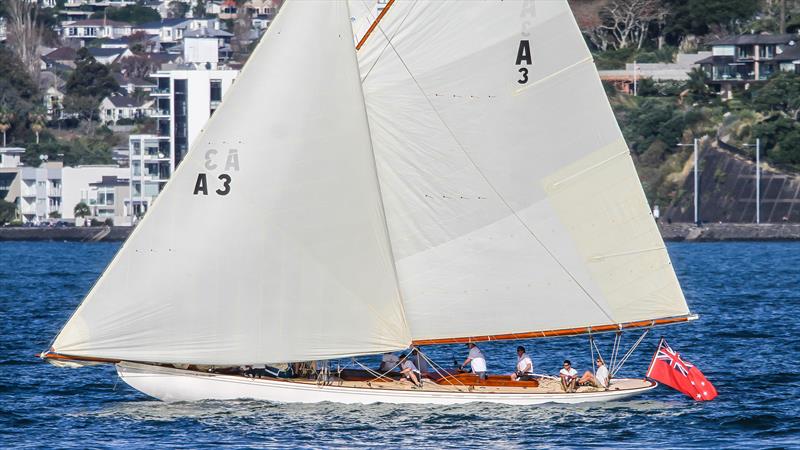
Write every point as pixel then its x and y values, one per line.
pixel 674 232
pixel 721 232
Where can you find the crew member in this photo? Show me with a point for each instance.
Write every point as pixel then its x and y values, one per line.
pixel 476 360
pixel 524 371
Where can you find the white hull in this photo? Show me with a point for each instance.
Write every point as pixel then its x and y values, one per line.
pixel 173 385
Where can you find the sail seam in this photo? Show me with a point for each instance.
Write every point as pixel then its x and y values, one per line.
pixel 590 168
pixel 491 186
pixel 631 252
pixel 554 74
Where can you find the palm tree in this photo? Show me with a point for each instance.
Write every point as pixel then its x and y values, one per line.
pixel 37 123
pixel 82 210
pixel 6 118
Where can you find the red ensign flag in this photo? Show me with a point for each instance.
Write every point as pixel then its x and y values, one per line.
pixel 668 368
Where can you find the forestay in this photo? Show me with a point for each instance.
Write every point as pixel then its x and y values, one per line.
pixel 512 201
pixel 269 243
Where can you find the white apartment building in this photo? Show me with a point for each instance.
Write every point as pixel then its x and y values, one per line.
pixel 40 192
pixel 186 96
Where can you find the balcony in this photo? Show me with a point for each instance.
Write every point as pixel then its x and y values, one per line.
pixel 160 114
pixel 54 192
pixel 160 92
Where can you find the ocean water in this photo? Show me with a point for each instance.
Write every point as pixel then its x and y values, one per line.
pixel 746 342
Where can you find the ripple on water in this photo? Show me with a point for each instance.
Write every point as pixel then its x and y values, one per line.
pixel 743 292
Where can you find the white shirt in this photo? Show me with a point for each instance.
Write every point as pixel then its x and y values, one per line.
pixel 407 364
pixel 523 362
pixel 571 372
pixel 602 375
pixel 477 361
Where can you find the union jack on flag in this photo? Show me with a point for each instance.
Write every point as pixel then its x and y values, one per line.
pixel 670 369
pixel 665 353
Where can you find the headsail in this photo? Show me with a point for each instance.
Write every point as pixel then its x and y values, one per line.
pixel 269 244
pixel 512 201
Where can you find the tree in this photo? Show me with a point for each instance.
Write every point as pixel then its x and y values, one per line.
pixel 780 94
pixel 177 9
pixel 37 120
pixel 697 84
pixel 25 33
pixel 628 21
pixel 698 17
pixel 6 117
pixel 199 9
pixel 90 78
pixel 82 210
pixel 135 14
pixel 8 211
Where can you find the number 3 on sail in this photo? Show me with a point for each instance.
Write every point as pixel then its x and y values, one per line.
pixel 231 163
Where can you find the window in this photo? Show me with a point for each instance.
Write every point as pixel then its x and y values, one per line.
pixel 766 51
pixel 216 90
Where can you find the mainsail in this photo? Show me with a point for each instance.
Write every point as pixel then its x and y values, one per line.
pixel 512 202
pixel 269 244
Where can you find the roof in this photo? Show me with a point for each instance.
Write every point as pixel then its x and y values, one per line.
pixel 750 39
pixel 98 23
pixel 124 101
pixel 163 23
pixel 106 52
pixel 62 54
pixel 788 53
pixel 139 82
pixel 207 32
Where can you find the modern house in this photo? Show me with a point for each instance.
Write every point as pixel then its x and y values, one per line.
pixel 741 60
pixel 80 185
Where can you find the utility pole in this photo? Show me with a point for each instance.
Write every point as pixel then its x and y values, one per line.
pixel 758 178
pixel 635 81
pixel 696 146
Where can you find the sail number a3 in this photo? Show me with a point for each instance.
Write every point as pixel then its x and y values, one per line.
pixel 212 163
pixel 524 54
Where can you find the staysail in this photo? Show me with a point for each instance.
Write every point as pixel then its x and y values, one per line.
pixel 269 244
pixel 512 202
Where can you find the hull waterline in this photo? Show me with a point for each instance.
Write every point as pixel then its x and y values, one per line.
pixel 172 385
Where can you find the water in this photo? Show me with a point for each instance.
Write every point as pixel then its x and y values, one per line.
pixel 746 343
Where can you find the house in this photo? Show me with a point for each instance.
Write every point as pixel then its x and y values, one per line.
pixel 109 55
pixel 739 61
pixel 94 29
pixel 131 85
pixel 116 107
pixel 53 89
pixel 108 199
pixel 62 56
pixel 170 31
pixel 82 184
